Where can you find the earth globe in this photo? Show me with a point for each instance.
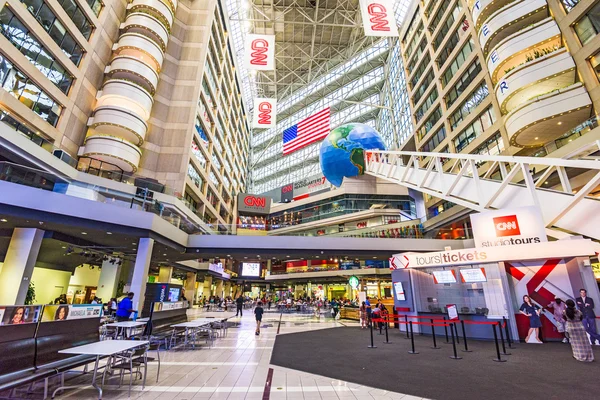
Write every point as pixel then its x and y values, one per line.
pixel 342 151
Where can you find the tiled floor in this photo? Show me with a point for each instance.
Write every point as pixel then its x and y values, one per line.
pixel 237 367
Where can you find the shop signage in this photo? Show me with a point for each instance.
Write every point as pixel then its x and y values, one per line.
pixel 481 255
pixel 265 111
pixel 378 17
pixel 254 204
pixel 399 261
pixel 260 52
pixel 515 226
pixel 308 186
pixel 353 282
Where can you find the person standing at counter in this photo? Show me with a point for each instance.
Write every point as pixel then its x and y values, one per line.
pixel 582 349
pixel 586 306
pixel 533 312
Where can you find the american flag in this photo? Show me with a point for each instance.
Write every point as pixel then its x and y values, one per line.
pixel 307 131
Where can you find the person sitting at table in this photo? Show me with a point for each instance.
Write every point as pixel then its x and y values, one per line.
pixel 125 308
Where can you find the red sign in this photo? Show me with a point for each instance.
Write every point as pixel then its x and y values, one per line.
pixel 287 188
pixel 379 17
pixel 254 201
pixel 260 48
pixel 264 113
pixel 507 226
pixel 360 225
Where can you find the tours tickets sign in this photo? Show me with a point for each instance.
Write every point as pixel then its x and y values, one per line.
pixel 517 226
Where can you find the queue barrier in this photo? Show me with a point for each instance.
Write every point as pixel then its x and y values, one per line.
pixel 443 322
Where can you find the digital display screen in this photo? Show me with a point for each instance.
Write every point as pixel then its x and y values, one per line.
pixel 174 294
pixel 250 269
pixel 473 275
pixel 399 289
pixel 444 276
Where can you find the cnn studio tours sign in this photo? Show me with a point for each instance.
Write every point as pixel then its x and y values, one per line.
pixel 517 226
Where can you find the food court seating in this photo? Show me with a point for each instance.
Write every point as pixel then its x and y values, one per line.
pixel 159 329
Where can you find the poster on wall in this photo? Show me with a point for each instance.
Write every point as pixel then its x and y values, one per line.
pixel 452 311
pixel 63 312
pixel 473 275
pixel 399 289
pixel 448 276
pixel 14 315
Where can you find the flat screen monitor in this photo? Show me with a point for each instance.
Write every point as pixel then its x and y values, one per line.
pixel 444 276
pixel 399 289
pixel 174 294
pixel 250 269
pixel 473 275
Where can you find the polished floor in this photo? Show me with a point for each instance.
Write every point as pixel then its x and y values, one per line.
pixel 238 367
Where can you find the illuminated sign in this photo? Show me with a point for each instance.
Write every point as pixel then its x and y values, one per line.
pixel 353 282
pixel 523 225
pixel 250 269
pixel 249 203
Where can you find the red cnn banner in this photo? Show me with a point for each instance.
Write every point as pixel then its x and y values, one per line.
pixel 260 52
pixel 264 114
pixel 378 17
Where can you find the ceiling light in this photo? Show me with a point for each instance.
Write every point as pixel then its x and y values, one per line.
pixel 84 233
pixel 164 254
pixel 64 247
pixel 133 244
pixel 536 138
pixel 228 255
pixel 109 233
pixel 288 256
pixel 559 123
pixel 3 220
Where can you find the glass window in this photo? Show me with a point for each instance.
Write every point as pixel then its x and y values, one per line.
pixel 424 107
pixel 569 4
pixel 77 16
pixel 27 92
pixel 469 105
pixel 33 50
pixel 458 61
pixel 198 153
pixel 435 140
pixel 589 25
pixel 465 80
pixel 55 29
pixel 476 128
pixel 447 24
pixel 433 118
pixel 96 6
pixel 493 146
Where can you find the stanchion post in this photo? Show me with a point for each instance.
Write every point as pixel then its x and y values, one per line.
pixel 446 330
pixel 466 350
pixel 406 325
pixel 435 346
pixel 507 330
pixel 387 340
pixel 412 339
pixel 455 356
pixel 502 339
pixel 380 325
pixel 372 346
pixel 499 359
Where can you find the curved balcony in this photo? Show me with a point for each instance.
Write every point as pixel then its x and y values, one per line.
pixel 517 48
pixel 546 117
pixel 132 44
pixel 156 8
pixel 118 122
pixel 534 78
pixel 509 20
pixel 127 95
pixel 113 150
pixel 482 9
pixel 124 67
pixel 172 4
pixel 146 25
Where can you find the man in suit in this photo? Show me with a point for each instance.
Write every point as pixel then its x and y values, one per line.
pixel 586 306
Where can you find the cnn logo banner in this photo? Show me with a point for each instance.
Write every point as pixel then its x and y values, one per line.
pixel 378 17
pixel 260 52
pixel 265 111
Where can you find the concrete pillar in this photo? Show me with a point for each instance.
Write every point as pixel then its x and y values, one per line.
pixel 219 290
pixel 207 287
pixel 190 286
pixel 140 272
pixel 109 277
pixel 164 274
pixel 19 262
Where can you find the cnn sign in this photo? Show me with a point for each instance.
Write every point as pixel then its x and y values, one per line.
pixel 253 204
pixel 378 17
pixel 260 52
pixel 264 115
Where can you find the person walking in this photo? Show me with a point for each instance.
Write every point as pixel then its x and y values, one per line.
pixel 582 349
pixel 533 312
pixel 239 302
pixel 258 313
pixel 558 311
pixel 585 304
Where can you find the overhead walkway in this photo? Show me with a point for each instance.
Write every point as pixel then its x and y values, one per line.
pixel 566 190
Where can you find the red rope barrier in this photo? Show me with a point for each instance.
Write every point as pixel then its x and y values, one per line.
pixel 413 322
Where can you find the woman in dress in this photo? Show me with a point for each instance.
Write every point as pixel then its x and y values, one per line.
pixel 533 312
pixel 582 349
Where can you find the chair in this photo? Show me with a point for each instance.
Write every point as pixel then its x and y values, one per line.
pixel 145 359
pixel 126 363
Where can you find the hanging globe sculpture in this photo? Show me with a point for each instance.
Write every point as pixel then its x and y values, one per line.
pixel 342 151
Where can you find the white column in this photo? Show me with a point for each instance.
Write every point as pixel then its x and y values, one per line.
pixel 18 265
pixel 109 276
pixel 140 272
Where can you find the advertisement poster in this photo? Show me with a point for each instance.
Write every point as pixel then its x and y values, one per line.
pixel 164 306
pixel 473 275
pixel 399 289
pixel 63 312
pixel 452 312
pixel 250 269
pixel 12 315
pixel 444 276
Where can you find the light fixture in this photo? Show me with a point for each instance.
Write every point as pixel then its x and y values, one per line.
pixel 288 256
pixel 559 123
pixel 536 138
pixel 63 247
pixel 164 254
pixel 109 233
pixel 84 233
pixel 3 220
